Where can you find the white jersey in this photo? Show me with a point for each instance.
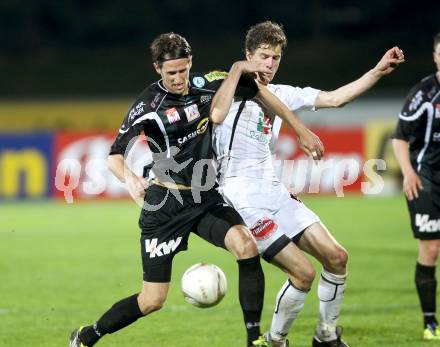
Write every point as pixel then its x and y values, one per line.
pixel 255 134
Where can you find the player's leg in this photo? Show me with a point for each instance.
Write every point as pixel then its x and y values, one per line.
pixel 317 241
pixel 156 275
pixel 290 298
pixel 164 228
pixel 284 220
pixel 122 314
pixel 426 284
pixel 424 212
pixel 223 227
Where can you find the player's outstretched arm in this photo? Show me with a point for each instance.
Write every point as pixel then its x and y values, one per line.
pixel 222 101
pixel 411 181
pixel 345 94
pixel 309 142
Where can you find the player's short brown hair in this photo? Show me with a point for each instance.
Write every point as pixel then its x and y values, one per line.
pixel 436 40
pixel 265 33
pixel 169 46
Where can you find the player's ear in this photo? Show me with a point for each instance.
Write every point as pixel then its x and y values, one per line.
pixel 158 68
pixel 248 55
pixel 190 61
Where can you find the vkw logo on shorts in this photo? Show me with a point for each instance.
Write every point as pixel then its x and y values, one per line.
pixel 158 250
pixel 427 225
pixel 264 229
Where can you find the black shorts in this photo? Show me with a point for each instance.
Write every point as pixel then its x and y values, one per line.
pixel 165 231
pixel 425 212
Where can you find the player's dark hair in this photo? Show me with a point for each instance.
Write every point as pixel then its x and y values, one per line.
pixel 169 46
pixel 265 33
pixel 436 40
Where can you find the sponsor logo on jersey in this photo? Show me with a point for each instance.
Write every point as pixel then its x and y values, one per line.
pixel 205 99
pixel 201 128
pixel 436 137
pixel 155 101
pixel 263 132
pixel 437 111
pixel 416 101
pixel 192 112
pixel 216 75
pixel 198 81
pixel 164 248
pixel 136 111
pixel 264 229
pixel 427 225
pixel 264 125
pixel 172 115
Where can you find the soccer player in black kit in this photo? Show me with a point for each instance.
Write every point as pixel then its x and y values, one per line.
pixel 416 144
pixel 176 114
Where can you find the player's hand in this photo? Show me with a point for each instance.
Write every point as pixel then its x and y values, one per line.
pixel 136 186
pixel 411 185
pixel 310 144
pixel 253 67
pixel 391 59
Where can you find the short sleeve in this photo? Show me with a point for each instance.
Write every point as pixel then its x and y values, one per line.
pixel 296 98
pixel 410 115
pixel 132 126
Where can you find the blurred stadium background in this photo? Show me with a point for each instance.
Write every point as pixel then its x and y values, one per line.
pixel 69 70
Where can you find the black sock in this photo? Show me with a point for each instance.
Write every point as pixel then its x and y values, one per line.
pixel 426 284
pixel 120 315
pixel 251 294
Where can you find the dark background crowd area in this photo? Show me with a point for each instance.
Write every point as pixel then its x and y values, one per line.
pixel 51 48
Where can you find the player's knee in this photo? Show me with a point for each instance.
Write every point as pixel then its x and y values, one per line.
pixel 337 261
pixel 307 276
pixel 302 276
pixel 432 252
pixel 247 249
pixel 148 305
pixel 242 244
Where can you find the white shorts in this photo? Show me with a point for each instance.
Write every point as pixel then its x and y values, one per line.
pixel 273 216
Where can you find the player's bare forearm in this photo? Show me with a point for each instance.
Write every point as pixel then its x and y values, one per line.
pixel 411 181
pixel 347 93
pixel 401 151
pixel 275 106
pixel 116 165
pixel 222 101
pixel 308 141
pixel 136 185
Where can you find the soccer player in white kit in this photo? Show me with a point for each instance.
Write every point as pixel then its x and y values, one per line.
pixel 284 227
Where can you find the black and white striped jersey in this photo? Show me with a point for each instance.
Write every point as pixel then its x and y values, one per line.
pixel 178 128
pixel 419 124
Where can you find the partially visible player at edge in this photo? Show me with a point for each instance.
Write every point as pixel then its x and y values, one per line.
pixel 416 144
pixel 176 115
pixel 283 226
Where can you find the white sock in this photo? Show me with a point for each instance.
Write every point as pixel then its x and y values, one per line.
pixel 289 303
pixel 331 289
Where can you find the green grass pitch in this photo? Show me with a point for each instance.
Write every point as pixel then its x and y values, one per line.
pixel 63 265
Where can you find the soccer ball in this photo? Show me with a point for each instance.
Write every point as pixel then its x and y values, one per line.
pixel 204 285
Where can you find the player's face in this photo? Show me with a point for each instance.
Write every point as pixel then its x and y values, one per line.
pixel 175 74
pixel 270 56
pixel 436 55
